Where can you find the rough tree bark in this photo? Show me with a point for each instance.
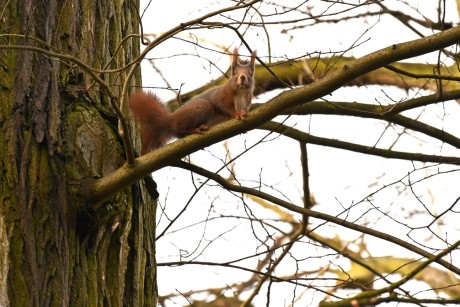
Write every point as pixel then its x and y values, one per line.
pixel 57 128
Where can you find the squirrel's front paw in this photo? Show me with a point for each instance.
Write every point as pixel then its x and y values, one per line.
pixel 241 114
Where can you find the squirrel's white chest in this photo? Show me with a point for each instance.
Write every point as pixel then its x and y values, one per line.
pixel 241 101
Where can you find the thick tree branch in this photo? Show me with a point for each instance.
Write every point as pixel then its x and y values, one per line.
pixel 102 188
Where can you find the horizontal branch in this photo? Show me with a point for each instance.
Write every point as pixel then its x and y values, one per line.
pixel 387 113
pixel 370 110
pixel 421 75
pixel 385 153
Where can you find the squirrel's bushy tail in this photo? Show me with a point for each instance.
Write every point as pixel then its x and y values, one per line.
pixel 154 118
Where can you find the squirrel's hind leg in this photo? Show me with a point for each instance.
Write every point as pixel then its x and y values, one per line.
pixel 198 130
pixel 201 128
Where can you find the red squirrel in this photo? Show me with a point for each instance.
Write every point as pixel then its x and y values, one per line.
pixel 231 100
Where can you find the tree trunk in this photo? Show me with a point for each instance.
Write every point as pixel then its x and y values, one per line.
pixel 57 129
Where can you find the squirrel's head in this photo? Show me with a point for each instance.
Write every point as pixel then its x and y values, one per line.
pixel 243 74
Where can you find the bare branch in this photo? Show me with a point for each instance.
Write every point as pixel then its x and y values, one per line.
pixel 385 153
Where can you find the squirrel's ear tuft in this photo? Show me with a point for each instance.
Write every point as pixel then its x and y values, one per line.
pixel 252 64
pixel 234 60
